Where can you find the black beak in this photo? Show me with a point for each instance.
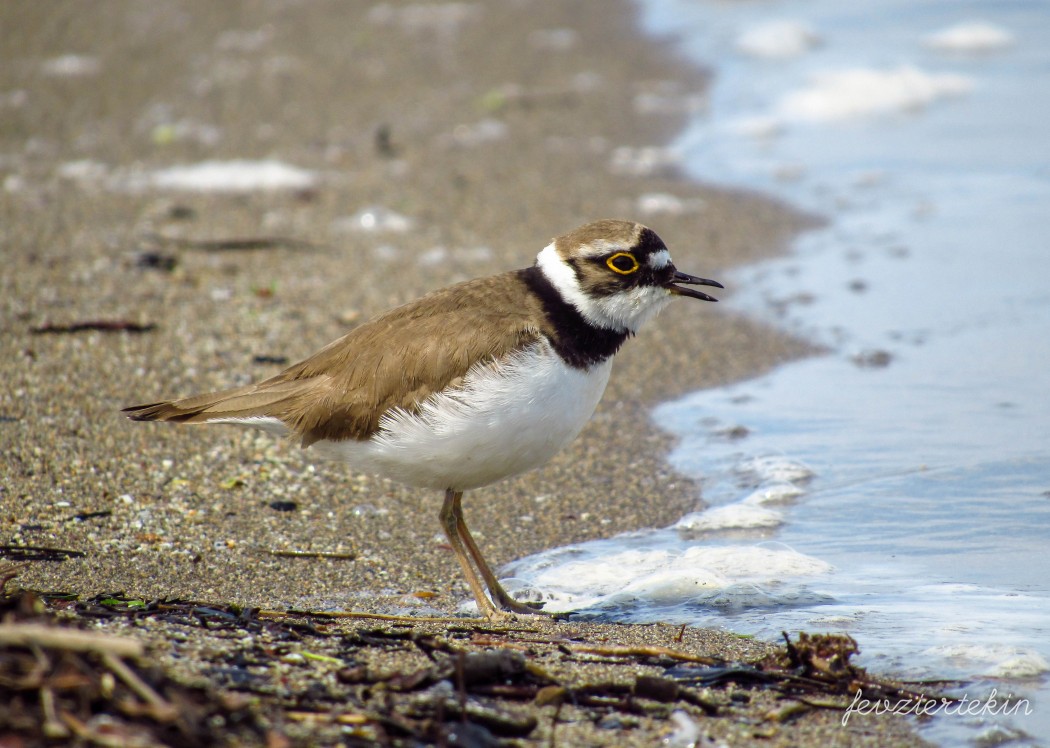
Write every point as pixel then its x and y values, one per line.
pixel 691 280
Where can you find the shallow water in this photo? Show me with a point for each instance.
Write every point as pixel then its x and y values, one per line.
pixel 898 488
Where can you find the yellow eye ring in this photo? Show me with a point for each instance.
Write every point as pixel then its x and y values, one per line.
pixel 617 265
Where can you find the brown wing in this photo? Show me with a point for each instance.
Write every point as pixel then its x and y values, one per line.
pixel 397 359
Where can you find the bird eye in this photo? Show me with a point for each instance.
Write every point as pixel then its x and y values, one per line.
pixel 622 263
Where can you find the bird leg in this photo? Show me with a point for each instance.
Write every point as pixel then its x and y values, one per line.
pixel 450 519
pixel 499 595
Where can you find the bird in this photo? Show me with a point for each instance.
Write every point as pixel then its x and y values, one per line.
pixel 469 384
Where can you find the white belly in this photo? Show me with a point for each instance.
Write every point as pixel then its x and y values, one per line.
pixel 504 420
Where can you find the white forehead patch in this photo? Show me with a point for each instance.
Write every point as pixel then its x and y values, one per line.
pixel 660 259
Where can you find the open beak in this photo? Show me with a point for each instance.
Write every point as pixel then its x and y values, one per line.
pixel 691 280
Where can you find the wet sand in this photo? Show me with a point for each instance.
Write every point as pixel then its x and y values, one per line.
pixel 492 127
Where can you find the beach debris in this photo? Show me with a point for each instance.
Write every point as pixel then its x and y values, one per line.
pixel 59 682
pixel 610 651
pixel 872 359
pixel 156 261
pixel 37 553
pixel 812 672
pixel 732 433
pixel 230 244
pixel 515 95
pixel 315 554
pixel 268 359
pixel 184 130
pixel 820 654
pixel 383 141
pixel 265 292
pixel 95 325
pixel 83 516
pixel 399 681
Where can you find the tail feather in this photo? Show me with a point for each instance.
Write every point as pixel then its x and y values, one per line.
pixel 240 404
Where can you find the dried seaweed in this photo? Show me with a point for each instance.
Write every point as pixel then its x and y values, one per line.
pixel 94 325
pixel 231 244
pixel 327 678
pixel 815 670
pixel 37 553
pixel 62 683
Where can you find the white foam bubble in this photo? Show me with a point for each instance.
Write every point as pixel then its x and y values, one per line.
pixel 14 183
pixel 730 517
pixel 670 585
pixel 611 575
pixel 245 40
pixel 82 170
pixel 374 219
pixel 601 573
pixel 232 176
pixel 970 37
pixel 71 66
pixel 643 161
pixel 994 660
pixel 14 99
pixel 755 563
pixel 484 131
pixel 664 203
pixel 445 18
pixel 778 40
pixel 853 93
pixel 776 493
pixel 685 731
pixel 773 469
pixel 759 127
pixel 558 40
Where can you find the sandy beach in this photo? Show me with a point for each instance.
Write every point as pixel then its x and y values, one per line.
pixel 472 133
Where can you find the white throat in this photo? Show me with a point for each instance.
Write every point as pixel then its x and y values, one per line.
pixel 624 311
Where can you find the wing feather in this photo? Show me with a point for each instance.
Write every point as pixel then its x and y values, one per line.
pixel 396 360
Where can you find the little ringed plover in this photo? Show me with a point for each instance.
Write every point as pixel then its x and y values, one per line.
pixel 469 384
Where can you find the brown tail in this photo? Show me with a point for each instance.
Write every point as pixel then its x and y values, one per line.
pixel 252 401
pixel 165 411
